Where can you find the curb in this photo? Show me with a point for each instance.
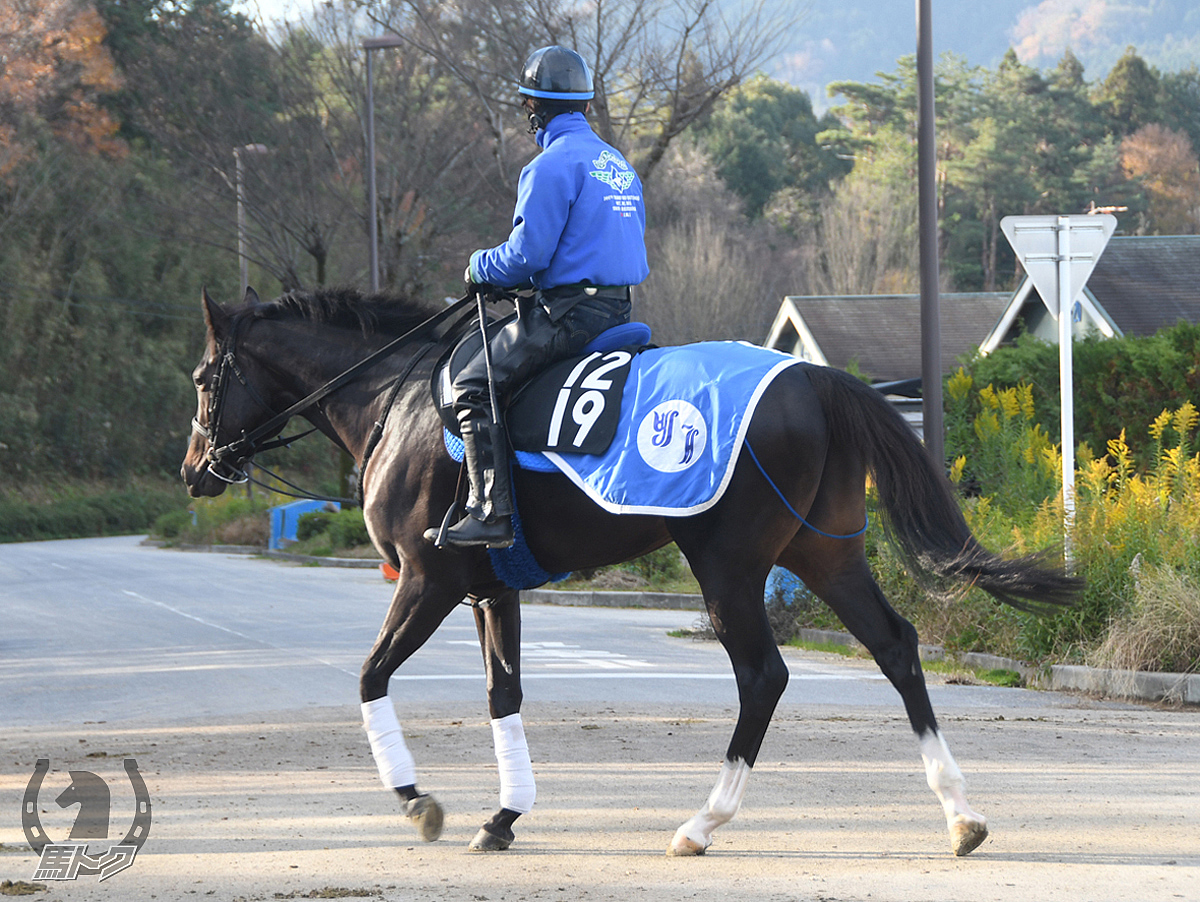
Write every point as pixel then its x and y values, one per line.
pixel 1153 687
pixel 1173 688
pixel 351 563
pixel 258 550
pixel 659 600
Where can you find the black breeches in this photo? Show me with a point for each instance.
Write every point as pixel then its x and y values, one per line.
pixel 525 346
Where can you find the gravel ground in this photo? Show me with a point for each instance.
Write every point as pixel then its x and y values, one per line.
pixel 1089 803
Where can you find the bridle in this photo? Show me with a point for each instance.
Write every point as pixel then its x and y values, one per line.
pixel 227 462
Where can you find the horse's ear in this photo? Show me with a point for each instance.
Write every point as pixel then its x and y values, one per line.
pixel 215 317
pixel 251 297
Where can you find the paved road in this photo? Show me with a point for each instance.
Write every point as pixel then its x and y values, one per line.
pixel 111 630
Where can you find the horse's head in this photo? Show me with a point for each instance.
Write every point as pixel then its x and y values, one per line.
pixel 228 407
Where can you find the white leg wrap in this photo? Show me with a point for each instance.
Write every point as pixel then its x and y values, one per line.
pixel 517 788
pixel 392 757
pixel 945 779
pixel 723 803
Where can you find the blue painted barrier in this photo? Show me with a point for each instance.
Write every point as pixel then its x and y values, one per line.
pixel 286 517
pixel 783 581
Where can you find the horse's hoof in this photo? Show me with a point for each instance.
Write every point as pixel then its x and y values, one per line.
pixel 966 835
pixel 490 842
pixel 683 846
pixel 427 816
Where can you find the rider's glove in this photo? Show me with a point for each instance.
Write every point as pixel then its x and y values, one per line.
pixel 471 278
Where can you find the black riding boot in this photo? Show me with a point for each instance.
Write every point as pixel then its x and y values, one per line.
pixel 489 504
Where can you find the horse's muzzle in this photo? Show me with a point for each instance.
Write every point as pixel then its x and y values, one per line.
pixel 196 474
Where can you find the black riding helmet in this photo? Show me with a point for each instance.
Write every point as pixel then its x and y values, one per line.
pixel 554 80
pixel 556 73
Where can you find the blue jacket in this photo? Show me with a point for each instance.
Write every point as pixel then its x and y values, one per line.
pixel 579 217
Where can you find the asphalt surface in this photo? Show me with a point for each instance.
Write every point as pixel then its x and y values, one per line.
pixel 112 630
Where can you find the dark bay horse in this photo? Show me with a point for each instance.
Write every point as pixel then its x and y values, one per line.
pixel 817 434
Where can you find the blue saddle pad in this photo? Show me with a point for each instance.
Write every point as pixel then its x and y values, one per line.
pixel 684 415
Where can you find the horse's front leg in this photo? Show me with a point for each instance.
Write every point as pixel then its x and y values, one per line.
pixel 499 623
pixel 418 607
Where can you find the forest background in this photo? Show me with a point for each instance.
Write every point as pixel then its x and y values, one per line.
pixel 119 120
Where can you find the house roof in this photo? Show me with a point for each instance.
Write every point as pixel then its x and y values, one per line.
pixel 1146 283
pixel 1140 285
pixel 882 332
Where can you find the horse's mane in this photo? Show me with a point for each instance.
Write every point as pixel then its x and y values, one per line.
pixel 348 307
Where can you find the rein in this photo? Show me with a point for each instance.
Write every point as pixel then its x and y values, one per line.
pixel 224 460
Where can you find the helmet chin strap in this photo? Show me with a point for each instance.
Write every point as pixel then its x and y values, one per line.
pixel 537 118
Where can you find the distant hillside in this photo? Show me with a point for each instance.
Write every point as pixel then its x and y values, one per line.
pixel 853 39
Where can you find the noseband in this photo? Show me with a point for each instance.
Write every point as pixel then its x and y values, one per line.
pixel 225 462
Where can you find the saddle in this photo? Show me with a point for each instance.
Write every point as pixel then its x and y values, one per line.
pixel 573 406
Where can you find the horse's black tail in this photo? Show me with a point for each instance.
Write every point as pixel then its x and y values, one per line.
pixel 919 504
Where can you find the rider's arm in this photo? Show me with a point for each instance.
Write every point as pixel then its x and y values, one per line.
pixel 544 197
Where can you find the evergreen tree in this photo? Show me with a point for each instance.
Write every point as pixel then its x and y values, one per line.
pixel 762 137
pixel 1130 94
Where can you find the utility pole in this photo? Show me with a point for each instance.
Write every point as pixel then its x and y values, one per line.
pixel 931 329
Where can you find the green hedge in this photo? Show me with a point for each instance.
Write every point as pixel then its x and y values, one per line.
pixel 344 528
pixel 1118 383
pixel 106 514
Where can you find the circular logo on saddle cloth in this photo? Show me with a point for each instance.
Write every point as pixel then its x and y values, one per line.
pixel 672 436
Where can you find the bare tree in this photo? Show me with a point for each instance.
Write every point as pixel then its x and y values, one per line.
pixel 864 242
pixel 431 151
pixel 713 273
pixel 205 88
pixel 659 65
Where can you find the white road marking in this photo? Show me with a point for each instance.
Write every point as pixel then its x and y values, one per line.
pixel 234 632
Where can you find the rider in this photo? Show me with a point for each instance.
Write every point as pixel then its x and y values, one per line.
pixel 578 238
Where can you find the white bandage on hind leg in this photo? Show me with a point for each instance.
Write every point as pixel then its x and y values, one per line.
pixel 723 803
pixel 944 777
pixel 517 788
pixel 392 757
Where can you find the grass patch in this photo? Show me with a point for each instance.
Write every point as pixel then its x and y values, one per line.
pixel 832 648
pixel 1000 677
pixel 1162 629
pixel 956 672
pixel 663 570
pixel 228 519
pixel 21 888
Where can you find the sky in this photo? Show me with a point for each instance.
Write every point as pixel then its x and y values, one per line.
pixel 854 39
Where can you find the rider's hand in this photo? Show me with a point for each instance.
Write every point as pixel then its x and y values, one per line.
pixel 471 279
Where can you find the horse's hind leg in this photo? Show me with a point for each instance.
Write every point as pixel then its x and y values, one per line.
pixel 499 623
pixel 839 576
pixel 418 607
pixel 732 575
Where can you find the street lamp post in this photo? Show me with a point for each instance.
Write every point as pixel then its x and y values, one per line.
pixel 243 263
pixel 382 42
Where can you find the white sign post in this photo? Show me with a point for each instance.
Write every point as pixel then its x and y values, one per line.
pixel 1059 253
